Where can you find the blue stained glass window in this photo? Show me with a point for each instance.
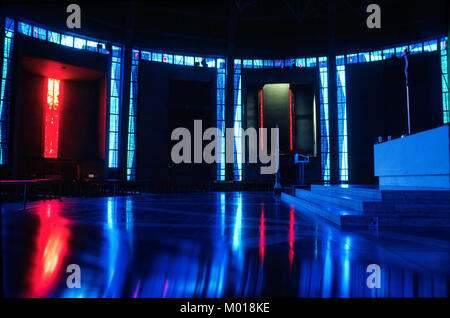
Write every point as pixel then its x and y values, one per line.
pixel 388 53
pixel 168 58
pixel 211 62
pixel 288 62
pixel 364 57
pixel 146 55
pixel 221 63
pixel 53 37
pixel 221 80
pixel 24 28
pixel 8 47
pixel 247 63
pixel 340 60
pixel 324 118
pixel 79 43
pixel 91 46
pixel 415 48
pixel 430 46
pixel 179 59
pixel 220 96
pixel 311 62
pixel 39 33
pixel 323 63
pixel 9 27
pixel 102 48
pixel 114 105
pixel 268 63
pixel 189 60
pixel 5 89
pixel 66 40
pixel 342 111
pixel 399 51
pixel 115 71
pixel 156 57
pixel 117 52
pixel 132 113
pixel 351 59
pixel 300 63
pixel 376 56
pixel 279 63
pixel 198 60
pixel 443 44
pixel 257 63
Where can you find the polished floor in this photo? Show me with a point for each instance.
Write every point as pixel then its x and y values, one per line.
pixel 246 244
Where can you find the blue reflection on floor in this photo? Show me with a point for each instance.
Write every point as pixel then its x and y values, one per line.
pixel 246 244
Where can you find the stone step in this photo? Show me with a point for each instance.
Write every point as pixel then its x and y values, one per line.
pixel 330 212
pixel 372 193
pixel 366 193
pixel 425 196
pixel 347 218
pixel 345 201
pixel 401 207
pixel 370 206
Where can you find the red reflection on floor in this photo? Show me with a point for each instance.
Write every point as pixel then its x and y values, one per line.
pixel 51 249
pixel 137 289
pixel 262 239
pixel 291 237
pixel 262 118
pixel 165 288
pixel 51 118
pixel 290 121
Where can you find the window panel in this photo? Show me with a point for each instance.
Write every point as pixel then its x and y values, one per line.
pixel 24 28
pixel 66 40
pixel 39 33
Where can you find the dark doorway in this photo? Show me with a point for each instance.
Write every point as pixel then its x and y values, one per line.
pixel 376 106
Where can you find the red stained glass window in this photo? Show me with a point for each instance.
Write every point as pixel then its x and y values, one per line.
pixel 51 119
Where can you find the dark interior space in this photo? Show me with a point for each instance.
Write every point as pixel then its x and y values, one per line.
pixel 377 106
pixel 190 101
pixel 303 88
pixel 276 112
pixel 82 111
pixel 171 97
pixel 81 147
pixel 94 202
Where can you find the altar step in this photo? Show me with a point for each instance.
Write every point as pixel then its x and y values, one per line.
pixel 363 206
pixel 372 203
pixel 387 193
